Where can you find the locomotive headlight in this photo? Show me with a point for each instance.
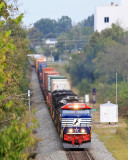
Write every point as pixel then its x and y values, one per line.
pixel 70 130
pixel 83 131
pixel 76 106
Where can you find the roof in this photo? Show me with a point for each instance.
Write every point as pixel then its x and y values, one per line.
pixel 51 41
pixel 108 104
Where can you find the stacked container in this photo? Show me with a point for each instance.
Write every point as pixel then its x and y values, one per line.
pixel 59 84
pixel 47 69
pixel 46 77
pixel 50 77
pixel 46 72
pixel 40 73
pixel 39 61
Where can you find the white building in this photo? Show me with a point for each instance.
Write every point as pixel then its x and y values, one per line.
pixel 106 15
pixel 51 42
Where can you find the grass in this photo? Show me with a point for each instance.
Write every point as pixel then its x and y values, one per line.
pixel 113 141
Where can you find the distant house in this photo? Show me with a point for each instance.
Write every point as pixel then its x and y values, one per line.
pixel 37 47
pixel 51 42
pixel 106 15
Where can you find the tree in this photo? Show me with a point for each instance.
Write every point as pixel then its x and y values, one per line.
pixel 35 36
pixel 64 24
pixel 14 136
pixel 46 26
pixel 89 22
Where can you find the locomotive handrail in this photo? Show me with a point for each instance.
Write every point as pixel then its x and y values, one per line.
pixel 63 128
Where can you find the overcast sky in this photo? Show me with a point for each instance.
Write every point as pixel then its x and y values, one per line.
pixel 77 10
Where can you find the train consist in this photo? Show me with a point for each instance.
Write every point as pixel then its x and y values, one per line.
pixel 72 117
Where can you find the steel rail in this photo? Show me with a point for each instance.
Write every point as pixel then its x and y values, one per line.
pixel 80 154
pixel 89 158
pixel 71 155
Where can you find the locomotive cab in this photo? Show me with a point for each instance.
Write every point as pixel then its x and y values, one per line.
pixel 76 125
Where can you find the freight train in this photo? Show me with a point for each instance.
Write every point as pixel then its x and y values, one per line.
pixel 72 117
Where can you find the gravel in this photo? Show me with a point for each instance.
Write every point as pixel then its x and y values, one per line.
pixel 98 150
pixel 50 148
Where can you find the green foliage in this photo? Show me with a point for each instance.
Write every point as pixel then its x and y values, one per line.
pixel 18 19
pixel 64 24
pixel 14 138
pixel 13 141
pixel 94 62
pixel 89 22
pixel 52 27
pixel 127 126
pixel 47 51
pixel 84 87
pixel 35 36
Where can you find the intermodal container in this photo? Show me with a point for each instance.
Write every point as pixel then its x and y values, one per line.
pixel 49 80
pixel 37 63
pixel 47 69
pixel 41 66
pixel 45 82
pixel 40 74
pixel 60 84
pixel 35 57
pixel 55 78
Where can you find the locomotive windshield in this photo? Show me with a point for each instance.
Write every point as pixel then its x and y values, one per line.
pixel 76 113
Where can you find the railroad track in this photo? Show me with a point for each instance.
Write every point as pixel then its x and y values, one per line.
pixel 79 155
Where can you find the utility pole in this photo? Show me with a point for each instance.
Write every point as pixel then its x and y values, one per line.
pixel 94 102
pixel 29 107
pixel 51 55
pixel 116 86
pixel 75 47
pixel 65 45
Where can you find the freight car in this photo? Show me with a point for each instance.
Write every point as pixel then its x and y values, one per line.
pixel 72 117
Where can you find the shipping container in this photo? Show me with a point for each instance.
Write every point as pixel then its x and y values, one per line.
pixel 41 66
pixel 34 58
pixel 47 69
pixel 37 64
pixel 45 82
pixel 60 84
pixel 54 78
pixel 49 80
